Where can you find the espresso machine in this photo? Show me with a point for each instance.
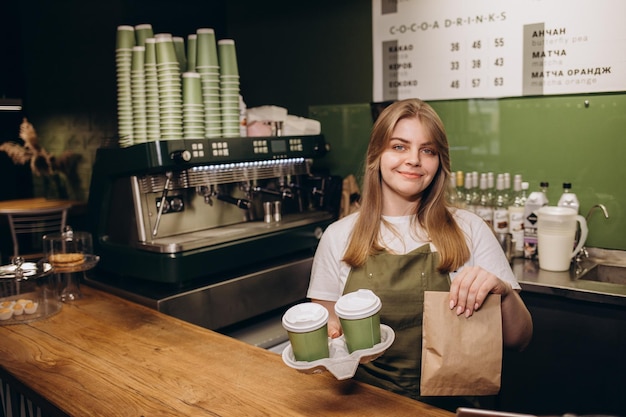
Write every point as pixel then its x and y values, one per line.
pixel 217 232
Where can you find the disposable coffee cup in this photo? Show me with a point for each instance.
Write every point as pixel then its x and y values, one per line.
pixel 227 57
pixel 165 52
pixel 192 92
pixel 307 328
pixel 206 48
pixel 192 42
pixel 125 37
pixel 359 314
pixel 143 32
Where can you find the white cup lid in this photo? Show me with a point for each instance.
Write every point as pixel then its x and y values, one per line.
pixel 358 305
pixel 305 317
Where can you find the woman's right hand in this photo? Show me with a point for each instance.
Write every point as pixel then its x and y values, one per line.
pixel 334 326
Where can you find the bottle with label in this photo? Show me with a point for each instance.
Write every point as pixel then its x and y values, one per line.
pixel 491 188
pixel 469 192
pixel 568 198
pixel 535 201
pixel 508 189
pixel 484 208
pixel 451 196
pixel 500 209
pixel 516 214
pixel 460 193
pixel 475 189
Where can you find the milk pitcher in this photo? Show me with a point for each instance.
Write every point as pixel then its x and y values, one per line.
pixel 556 234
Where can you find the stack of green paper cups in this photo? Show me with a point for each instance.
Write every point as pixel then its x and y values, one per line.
pixel 193 108
pixel 138 92
pixel 229 88
pixel 207 65
pixel 170 88
pixel 152 92
pixel 124 43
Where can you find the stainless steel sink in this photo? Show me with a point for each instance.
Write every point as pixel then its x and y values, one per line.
pixel 606 273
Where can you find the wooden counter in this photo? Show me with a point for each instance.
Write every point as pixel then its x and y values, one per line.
pixel 106 356
pixel 11 206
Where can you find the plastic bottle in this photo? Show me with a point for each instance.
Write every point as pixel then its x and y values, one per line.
pixel 568 198
pixel 484 208
pixel 516 214
pixel 452 191
pixel 460 193
pixel 491 187
pixel 508 189
pixel 468 187
pixel 535 201
pixel 500 209
pixel 475 189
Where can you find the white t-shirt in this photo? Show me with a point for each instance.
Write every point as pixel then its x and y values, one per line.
pixel 329 273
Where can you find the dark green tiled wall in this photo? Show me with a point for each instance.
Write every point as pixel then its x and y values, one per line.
pixel 553 139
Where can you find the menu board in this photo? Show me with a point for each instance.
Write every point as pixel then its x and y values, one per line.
pixel 459 49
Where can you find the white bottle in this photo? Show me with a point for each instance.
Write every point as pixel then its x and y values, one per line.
pixel 568 198
pixel 516 214
pixel 535 201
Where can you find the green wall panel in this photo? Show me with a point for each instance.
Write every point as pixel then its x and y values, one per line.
pixel 579 139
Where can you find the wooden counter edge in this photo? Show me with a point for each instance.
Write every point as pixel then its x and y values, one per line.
pixel 260 367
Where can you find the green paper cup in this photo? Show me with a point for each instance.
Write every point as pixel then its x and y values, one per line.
pixel 165 51
pixel 307 327
pixel 192 91
pixel 192 48
pixel 227 57
pixel 150 45
pixel 359 314
pixel 143 32
pixel 181 55
pixel 138 58
pixel 206 53
pixel 125 37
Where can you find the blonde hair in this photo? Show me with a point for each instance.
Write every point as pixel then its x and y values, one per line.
pixel 432 212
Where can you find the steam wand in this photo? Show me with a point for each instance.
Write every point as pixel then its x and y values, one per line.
pixel 168 181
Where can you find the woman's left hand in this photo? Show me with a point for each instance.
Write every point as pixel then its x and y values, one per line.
pixel 470 288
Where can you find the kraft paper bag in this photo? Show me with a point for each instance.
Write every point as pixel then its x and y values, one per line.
pixel 460 356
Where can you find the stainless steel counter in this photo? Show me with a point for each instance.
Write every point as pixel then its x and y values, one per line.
pixel 571 284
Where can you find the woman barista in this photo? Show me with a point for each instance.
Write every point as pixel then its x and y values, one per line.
pixel 405 240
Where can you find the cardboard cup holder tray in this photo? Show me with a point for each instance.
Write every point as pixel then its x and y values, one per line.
pixel 341 364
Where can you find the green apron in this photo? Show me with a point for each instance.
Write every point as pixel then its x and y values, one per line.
pixel 400 282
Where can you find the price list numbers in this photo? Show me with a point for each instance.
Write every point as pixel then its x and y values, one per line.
pixel 477 67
